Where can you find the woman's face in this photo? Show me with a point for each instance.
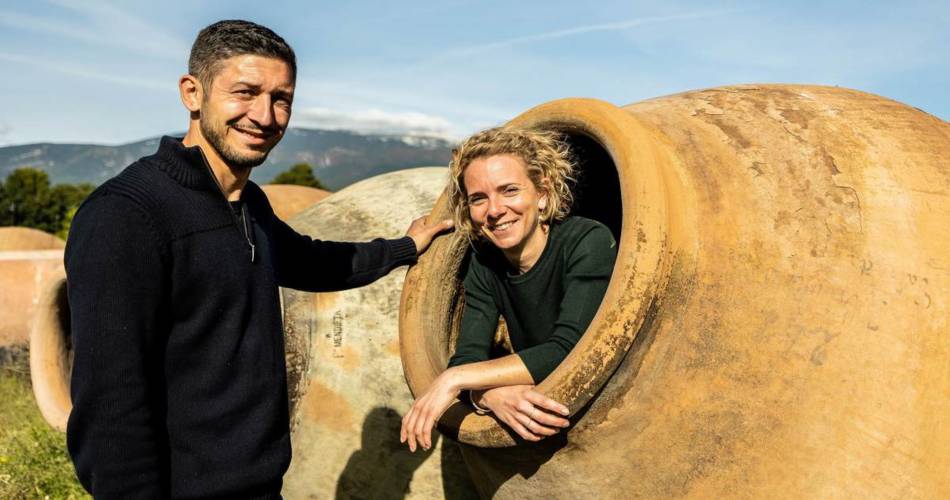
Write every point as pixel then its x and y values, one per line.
pixel 505 205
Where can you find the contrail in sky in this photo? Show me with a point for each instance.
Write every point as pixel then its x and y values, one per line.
pixel 79 71
pixel 567 32
pixel 99 24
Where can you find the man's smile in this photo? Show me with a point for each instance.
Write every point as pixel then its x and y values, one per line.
pixel 256 135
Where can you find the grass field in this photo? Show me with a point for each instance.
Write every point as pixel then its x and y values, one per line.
pixel 33 458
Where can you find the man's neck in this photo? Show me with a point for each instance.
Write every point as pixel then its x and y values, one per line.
pixel 231 180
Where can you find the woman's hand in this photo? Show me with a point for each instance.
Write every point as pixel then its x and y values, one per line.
pixel 531 414
pixel 418 423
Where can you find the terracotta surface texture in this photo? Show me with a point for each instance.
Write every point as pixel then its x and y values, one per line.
pixel 288 200
pixel 25 238
pixel 776 324
pixel 23 278
pixel 51 357
pixel 347 391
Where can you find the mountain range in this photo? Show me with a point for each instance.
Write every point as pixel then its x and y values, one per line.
pixel 339 158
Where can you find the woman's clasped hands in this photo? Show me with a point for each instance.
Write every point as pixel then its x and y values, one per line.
pixel 532 415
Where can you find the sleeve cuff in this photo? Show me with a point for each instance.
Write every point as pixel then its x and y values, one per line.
pixel 403 251
pixel 539 366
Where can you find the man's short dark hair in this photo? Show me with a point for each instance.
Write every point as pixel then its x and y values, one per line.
pixel 226 39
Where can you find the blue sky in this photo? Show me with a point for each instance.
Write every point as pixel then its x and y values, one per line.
pixel 106 72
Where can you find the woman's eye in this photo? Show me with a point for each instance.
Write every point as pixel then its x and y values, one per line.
pixel 511 191
pixel 476 201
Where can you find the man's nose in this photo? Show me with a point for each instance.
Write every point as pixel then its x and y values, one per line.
pixel 261 111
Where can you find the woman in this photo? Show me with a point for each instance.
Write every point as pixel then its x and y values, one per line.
pixel 544 272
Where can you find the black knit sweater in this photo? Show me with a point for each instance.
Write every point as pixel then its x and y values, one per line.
pixel 179 384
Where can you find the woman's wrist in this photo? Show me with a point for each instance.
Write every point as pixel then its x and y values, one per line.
pixel 475 397
pixel 453 379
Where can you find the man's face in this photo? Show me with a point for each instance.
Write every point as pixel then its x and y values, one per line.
pixel 245 111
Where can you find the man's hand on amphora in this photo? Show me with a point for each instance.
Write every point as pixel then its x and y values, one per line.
pixel 421 231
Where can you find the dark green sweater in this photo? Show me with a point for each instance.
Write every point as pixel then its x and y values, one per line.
pixel 548 308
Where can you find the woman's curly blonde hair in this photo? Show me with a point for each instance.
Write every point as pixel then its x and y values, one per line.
pixel 544 153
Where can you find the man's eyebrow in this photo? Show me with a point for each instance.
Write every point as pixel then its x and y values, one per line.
pixel 285 94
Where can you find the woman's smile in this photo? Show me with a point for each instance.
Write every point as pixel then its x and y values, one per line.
pixel 498 228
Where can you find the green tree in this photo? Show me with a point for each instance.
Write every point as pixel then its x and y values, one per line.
pixel 300 174
pixel 26 199
pixel 68 197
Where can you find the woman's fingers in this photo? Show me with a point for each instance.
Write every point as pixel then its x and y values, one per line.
pixel 418 430
pixel 413 423
pixel 520 429
pixel 402 428
pixel 414 433
pixel 544 409
pixel 534 426
pixel 542 401
pixel 545 418
pixel 427 432
pixel 526 407
pixel 407 428
pixel 418 423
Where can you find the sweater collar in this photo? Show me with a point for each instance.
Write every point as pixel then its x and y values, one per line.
pixel 185 165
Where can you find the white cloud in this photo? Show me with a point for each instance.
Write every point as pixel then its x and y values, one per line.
pixel 375 121
pixel 450 116
pixel 362 93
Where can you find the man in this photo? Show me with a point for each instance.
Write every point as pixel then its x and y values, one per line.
pixel 179 383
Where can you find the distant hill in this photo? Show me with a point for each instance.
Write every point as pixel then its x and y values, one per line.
pixel 339 158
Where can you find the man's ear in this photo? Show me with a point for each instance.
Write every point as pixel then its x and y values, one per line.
pixel 191 92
